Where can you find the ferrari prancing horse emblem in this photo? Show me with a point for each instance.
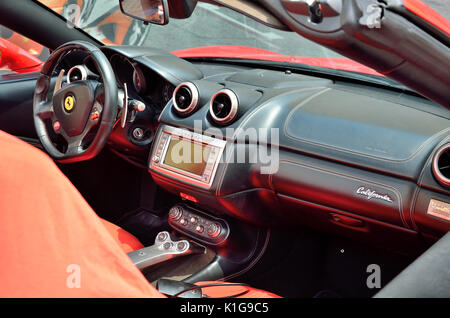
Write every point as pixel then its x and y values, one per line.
pixel 69 103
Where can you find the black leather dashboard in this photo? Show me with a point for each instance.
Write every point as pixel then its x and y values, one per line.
pixel 353 158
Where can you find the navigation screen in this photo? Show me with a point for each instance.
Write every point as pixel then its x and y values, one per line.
pixel 187 156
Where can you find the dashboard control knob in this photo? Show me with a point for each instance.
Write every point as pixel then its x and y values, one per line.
pixel 193 220
pixel 213 229
pixel 156 159
pixel 137 105
pixel 183 222
pixel 175 213
pixel 199 228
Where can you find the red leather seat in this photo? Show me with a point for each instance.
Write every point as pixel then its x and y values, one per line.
pixel 128 242
pixel 53 244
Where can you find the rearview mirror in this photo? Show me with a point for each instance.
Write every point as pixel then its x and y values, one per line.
pixel 150 11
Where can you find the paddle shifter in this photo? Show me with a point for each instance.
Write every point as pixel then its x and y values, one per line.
pixel 163 250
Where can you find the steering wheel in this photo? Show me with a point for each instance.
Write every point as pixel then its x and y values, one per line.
pixel 77 109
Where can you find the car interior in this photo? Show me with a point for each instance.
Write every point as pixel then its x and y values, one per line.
pixel 307 178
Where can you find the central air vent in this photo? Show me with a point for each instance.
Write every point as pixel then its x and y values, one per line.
pixel 77 73
pixel 441 165
pixel 223 106
pixel 185 98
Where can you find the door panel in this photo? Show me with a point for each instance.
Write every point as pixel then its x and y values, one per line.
pixel 16 104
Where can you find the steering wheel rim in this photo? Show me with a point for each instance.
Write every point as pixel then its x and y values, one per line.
pixel 101 100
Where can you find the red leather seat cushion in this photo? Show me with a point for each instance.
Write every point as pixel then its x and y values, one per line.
pixel 127 241
pixel 48 231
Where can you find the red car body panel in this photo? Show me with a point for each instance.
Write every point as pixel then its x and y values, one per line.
pixel 16 59
pixel 428 14
pixel 245 52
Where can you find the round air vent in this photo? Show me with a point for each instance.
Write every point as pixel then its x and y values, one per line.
pixel 185 98
pixel 223 106
pixel 77 73
pixel 441 165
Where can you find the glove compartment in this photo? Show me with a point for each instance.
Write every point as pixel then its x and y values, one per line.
pixel 340 190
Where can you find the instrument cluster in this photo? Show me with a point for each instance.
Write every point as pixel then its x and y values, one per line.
pixel 141 82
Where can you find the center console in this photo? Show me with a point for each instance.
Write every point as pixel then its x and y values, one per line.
pixel 201 247
pixel 187 163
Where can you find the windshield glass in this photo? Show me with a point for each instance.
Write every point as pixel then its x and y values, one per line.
pixel 211 31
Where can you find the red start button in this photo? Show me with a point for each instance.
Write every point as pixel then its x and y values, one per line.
pixel 56 125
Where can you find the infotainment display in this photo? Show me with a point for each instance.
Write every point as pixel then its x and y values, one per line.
pixel 187 155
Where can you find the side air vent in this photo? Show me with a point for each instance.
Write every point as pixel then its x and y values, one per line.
pixel 441 165
pixel 77 73
pixel 185 98
pixel 223 106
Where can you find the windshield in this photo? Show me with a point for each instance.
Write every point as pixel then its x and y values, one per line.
pixel 211 32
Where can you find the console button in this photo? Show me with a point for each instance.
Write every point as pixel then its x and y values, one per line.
pixel 198 225
pixel 167 245
pixel 199 228
pixel 213 229
pixel 175 213
pixel 181 246
pixel 162 236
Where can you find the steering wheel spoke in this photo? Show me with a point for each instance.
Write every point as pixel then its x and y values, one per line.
pixel 74 143
pixel 74 147
pixel 44 110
